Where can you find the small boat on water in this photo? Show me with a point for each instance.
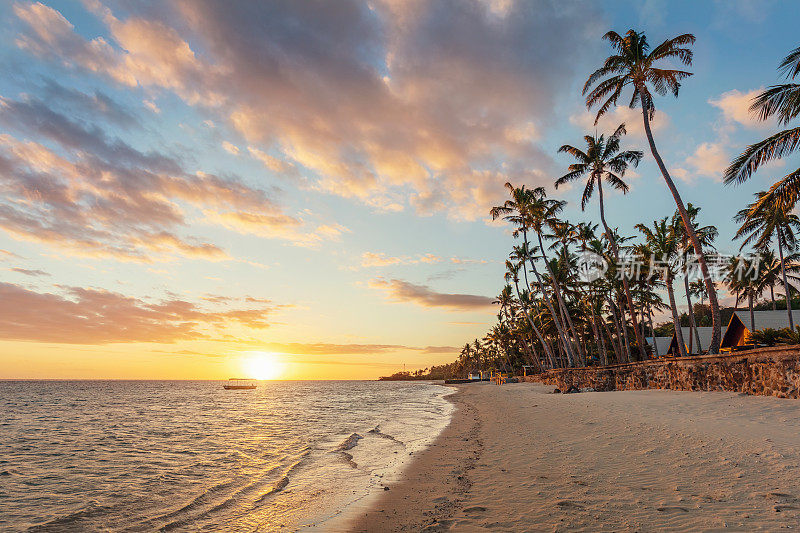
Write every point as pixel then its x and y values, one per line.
pixel 240 384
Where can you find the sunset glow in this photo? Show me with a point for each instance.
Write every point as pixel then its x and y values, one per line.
pixel 188 182
pixel 265 366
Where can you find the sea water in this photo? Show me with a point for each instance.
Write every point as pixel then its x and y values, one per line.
pixel 191 456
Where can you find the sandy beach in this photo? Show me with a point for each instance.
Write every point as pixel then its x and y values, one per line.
pixel 517 458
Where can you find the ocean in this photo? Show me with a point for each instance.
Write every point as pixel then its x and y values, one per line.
pixel 191 456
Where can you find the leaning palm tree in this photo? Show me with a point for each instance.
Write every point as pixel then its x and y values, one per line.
pixel 706 234
pixel 634 64
pixel 662 241
pixel 603 161
pixel 783 103
pixel 760 222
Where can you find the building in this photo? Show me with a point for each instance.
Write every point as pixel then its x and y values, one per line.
pixel 705 340
pixel 661 345
pixel 739 327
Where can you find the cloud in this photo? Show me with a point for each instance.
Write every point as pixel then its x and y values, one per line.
pixel 230 148
pixel 321 348
pixel 5 255
pixel 735 107
pixel 708 160
pixel 94 316
pixel 380 259
pixel 94 105
pixel 106 198
pixel 32 273
pixel 404 291
pixel 278 166
pixel 427 105
pixel 149 104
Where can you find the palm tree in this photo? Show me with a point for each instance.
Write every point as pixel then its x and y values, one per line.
pixel 744 281
pixel 543 213
pixel 601 161
pixel 634 64
pixel 662 242
pixel 706 234
pixel 506 302
pixel 512 274
pixel 760 222
pixel 519 210
pixel 782 102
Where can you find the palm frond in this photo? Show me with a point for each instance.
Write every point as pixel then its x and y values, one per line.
pixel 790 66
pixel 587 193
pixel 781 101
pixel 775 147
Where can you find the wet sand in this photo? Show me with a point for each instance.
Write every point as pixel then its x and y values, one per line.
pixel 516 458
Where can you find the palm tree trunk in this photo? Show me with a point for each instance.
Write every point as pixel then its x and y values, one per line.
pixel 533 326
pixel 617 355
pixel 624 322
pixel 548 303
pixel 692 323
pixel 785 282
pixel 772 297
pixel 675 318
pixel 716 335
pixel 620 358
pixel 653 332
pixel 574 337
pixel 597 338
pixel 560 299
pixel 615 249
pixel 750 306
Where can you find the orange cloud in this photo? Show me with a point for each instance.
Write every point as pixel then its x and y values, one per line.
pixel 404 291
pixel 93 316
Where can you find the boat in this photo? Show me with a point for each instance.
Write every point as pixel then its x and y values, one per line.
pixel 240 384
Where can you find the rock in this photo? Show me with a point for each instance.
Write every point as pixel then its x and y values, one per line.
pixel 556 391
pixel 385 488
pixel 572 389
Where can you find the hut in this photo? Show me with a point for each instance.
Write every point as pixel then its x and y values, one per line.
pixel 739 326
pixel 660 345
pixel 705 340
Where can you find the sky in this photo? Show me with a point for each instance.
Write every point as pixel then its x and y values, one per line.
pixel 191 187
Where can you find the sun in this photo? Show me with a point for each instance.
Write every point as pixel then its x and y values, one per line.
pixel 262 365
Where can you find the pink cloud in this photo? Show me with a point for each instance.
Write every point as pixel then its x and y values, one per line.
pixel 431 106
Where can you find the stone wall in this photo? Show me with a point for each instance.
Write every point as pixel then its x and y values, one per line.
pixel 765 372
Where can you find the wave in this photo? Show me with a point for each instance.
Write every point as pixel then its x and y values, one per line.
pixel 69 522
pixel 377 431
pixel 238 498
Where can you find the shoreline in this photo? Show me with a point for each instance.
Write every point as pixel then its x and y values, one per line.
pixel 515 457
pixel 432 487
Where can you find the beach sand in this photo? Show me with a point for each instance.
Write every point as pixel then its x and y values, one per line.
pixel 517 458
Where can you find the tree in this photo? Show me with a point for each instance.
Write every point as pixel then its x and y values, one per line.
pixel 761 221
pixel 706 235
pixel 781 102
pixel 634 64
pixel 662 243
pixel 523 210
pixel 603 161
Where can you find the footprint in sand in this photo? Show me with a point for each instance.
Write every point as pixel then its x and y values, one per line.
pixel 566 504
pixel 475 510
pixel 672 509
